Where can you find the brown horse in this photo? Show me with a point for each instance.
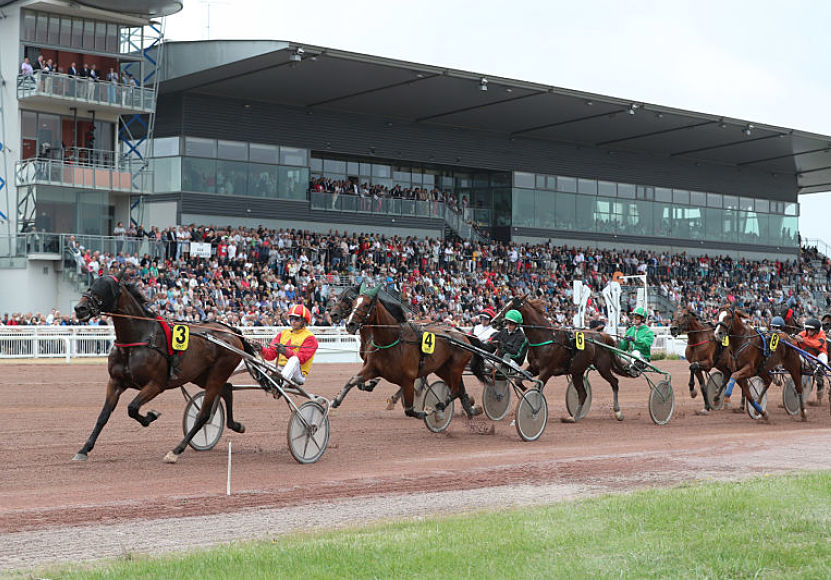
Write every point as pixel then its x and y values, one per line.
pixel 552 352
pixel 703 351
pixel 395 353
pixel 140 359
pixel 751 355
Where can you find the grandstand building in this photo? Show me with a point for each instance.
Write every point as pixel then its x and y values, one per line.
pixel 243 126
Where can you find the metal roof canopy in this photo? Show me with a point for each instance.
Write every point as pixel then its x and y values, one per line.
pixel 312 76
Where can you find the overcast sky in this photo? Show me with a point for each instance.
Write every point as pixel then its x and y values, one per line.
pixel 759 60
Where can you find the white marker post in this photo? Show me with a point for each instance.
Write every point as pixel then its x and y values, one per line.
pixel 228 487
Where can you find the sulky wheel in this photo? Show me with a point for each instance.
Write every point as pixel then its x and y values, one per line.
pixel 308 433
pixel 531 415
pixel 661 402
pixel 714 385
pixel 756 385
pixel 438 421
pixel 208 436
pixel 790 398
pixel 573 401
pixel 496 399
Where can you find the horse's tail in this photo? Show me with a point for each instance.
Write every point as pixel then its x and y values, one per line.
pixel 477 363
pixel 618 366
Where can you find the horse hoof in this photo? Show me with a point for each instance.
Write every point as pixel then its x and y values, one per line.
pixel 702 412
pixel 619 415
pixel 693 393
pixel 152 415
pixel 475 410
pixel 738 410
pixel 390 404
pixel 80 457
pixel 171 457
pixel 568 420
pixel 237 428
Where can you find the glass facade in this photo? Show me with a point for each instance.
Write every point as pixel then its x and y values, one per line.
pixel 67 32
pixel 564 203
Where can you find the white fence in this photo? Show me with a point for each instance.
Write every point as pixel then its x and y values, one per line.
pixel 68 342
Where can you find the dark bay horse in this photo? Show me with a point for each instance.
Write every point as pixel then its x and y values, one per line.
pixel 751 355
pixel 552 351
pixel 140 359
pixel 394 352
pixel 703 351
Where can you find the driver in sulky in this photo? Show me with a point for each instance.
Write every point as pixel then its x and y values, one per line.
pixel 295 346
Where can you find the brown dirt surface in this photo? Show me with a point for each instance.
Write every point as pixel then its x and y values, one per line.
pixel 48 411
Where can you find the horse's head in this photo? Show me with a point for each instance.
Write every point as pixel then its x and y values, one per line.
pixel 343 303
pixel 681 321
pixel 102 296
pixel 728 318
pixel 362 308
pixel 515 303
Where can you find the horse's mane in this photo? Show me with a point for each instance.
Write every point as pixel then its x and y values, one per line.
pixel 393 306
pixel 138 296
pixel 537 304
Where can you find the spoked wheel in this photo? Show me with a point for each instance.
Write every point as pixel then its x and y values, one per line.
pixel 756 385
pixel 308 433
pixel 790 398
pixel 531 415
pixel 573 400
pixel 437 421
pixel 661 402
pixel 713 386
pixel 209 435
pixel 496 399
pixel 808 382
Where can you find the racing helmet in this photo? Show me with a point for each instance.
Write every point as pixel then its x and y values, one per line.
pixel 514 316
pixel 812 324
pixel 639 311
pixel 777 322
pixel 301 311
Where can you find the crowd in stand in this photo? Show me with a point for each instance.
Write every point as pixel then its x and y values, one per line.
pixel 253 275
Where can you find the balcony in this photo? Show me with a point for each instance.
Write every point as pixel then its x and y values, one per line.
pixel 101 96
pixel 86 169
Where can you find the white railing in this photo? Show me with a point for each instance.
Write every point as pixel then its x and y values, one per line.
pixel 68 342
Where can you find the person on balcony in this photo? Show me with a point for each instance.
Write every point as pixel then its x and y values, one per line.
pixel 112 84
pixel 28 74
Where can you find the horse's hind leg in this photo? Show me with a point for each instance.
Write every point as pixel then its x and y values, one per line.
pixel 691 384
pixel 211 393
pixel 114 391
pixel 228 396
pixel 579 385
pixel 606 372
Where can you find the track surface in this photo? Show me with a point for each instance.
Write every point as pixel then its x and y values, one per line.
pixel 379 463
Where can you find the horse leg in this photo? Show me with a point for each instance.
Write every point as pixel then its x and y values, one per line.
pixel 353 382
pixel 394 399
pixel 227 394
pixel 212 391
pixel 605 371
pixel 693 375
pixel 408 395
pixel 114 391
pixel 147 393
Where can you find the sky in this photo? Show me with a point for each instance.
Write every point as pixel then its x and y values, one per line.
pixel 760 60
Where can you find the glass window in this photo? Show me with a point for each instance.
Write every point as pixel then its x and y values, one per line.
pixel 54 35
pixel 747 230
pixel 791 209
pixel 714 200
pixel 746 203
pixel 501 179
pixel 260 153
pixel 551 182
pixel 626 190
pixel 101 36
pixel 78 36
pixel 465 180
pixel 293 156
pixel 429 180
pixel 48 132
pixel 719 225
pixel 663 194
pixel 89 35
pixel 334 166
pixel 315 164
pixel 418 178
pixel 42 27
pixel 730 202
pixel 763 205
pixel 643 192
pixel 566 216
pixel 637 218
pixel 112 38
pixel 66 31
pixel 607 188
pixel 199 175
pixel 353 168
pixel 232 150
pixel 29 25
pixel 199 147
pixel 232 177
pixel 567 184
pixel 381 170
pixel 366 169
pixel 587 186
pixel 293 182
pixel 681 196
pixel 545 210
pixel 481 180
pixel 523 206
pixel 165 146
pixel 403 178
pixel 28 124
pixel 698 199
pixel 167 174
pixel 262 180
pixel 540 181
pixel 526 180
pixel 584 209
pixel 687 223
pixel 662 218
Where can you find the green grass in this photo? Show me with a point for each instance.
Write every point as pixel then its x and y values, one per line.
pixel 771 527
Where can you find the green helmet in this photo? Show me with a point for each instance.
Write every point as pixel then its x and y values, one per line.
pixel 514 316
pixel 639 311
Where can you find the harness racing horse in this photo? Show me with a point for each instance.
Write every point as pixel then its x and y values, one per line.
pixel 751 355
pixel 140 359
pixel 394 352
pixel 552 352
pixel 703 351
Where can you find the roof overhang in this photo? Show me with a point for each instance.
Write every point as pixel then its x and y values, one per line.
pixel 319 77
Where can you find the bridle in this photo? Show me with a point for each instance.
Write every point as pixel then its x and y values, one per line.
pixel 96 302
pixel 364 312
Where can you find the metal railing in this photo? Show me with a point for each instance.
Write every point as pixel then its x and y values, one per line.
pixel 393 206
pixel 820 246
pixel 68 342
pixel 62 86
pixel 122 175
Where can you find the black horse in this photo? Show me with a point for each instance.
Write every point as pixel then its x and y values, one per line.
pixel 141 359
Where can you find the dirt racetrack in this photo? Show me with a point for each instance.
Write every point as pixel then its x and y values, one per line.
pixel 379 463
